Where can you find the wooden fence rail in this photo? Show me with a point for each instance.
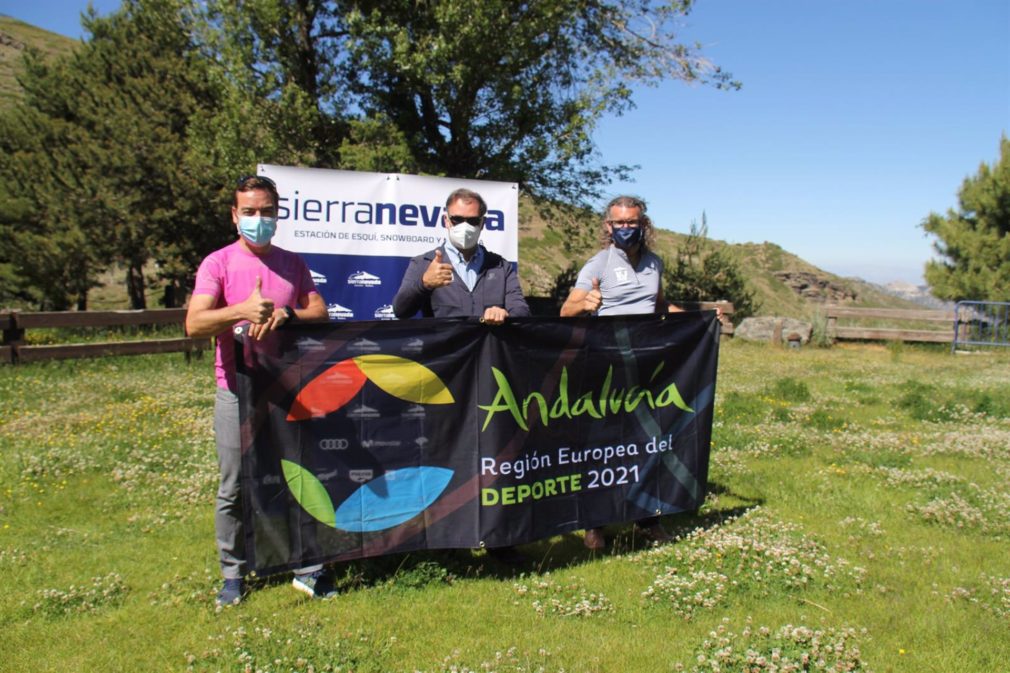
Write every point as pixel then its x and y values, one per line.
pixel 725 306
pixel 14 350
pixel 942 333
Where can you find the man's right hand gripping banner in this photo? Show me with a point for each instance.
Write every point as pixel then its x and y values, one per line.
pixel 369 438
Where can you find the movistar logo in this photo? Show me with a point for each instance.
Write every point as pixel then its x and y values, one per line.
pixel 606 401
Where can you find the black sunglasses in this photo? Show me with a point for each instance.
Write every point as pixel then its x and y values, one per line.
pixel 459 219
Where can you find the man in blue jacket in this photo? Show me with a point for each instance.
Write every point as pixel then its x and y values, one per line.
pixel 461 278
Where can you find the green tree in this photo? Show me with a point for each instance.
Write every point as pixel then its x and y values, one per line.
pixel 702 273
pixel 46 258
pixel 155 197
pixel 281 100
pixel 507 90
pixel 470 88
pixel 973 242
pixel 117 178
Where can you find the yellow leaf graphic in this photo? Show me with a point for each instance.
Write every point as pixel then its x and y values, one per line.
pixel 404 379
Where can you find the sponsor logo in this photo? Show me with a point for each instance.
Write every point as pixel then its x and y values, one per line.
pixel 360 476
pixel 415 411
pixel 307 344
pixel 271 479
pixel 414 346
pixel 622 274
pixel 333 444
pixel 361 411
pixel 421 442
pixel 338 312
pixel 326 476
pixel 364 346
pixel 385 313
pixel 337 378
pixel 363 279
pixel 375 443
pixel 317 278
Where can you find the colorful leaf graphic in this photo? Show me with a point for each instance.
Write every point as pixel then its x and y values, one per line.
pixel 309 492
pixel 328 392
pixel 389 500
pixel 404 379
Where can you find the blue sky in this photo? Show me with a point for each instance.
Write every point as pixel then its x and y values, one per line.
pixel 856 119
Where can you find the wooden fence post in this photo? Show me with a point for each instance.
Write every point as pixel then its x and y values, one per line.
pixel 13 336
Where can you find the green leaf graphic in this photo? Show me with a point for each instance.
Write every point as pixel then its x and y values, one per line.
pixel 309 493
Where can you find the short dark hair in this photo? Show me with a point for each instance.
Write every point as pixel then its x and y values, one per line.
pixel 627 201
pixel 464 194
pixel 248 183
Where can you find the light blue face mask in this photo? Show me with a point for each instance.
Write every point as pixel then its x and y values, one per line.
pixel 257 230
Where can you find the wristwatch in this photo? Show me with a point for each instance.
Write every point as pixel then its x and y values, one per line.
pixel 290 313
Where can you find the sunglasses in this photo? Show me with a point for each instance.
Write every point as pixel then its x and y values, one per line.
pixel 459 219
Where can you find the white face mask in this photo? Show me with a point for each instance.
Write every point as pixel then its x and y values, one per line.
pixel 464 236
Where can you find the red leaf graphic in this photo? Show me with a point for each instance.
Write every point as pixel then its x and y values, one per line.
pixel 328 392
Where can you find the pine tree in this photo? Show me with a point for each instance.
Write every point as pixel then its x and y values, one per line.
pixel 973 243
pixel 702 273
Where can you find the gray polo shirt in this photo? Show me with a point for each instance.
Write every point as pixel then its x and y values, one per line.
pixel 626 290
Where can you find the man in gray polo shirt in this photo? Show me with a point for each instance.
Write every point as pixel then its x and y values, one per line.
pixel 461 279
pixel 624 278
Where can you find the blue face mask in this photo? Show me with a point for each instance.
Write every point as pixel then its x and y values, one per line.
pixel 626 238
pixel 257 230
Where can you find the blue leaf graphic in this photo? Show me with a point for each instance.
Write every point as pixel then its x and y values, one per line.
pixel 389 500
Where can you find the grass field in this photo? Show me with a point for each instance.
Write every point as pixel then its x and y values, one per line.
pixel 858 519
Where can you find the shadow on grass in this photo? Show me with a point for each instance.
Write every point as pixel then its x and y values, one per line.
pixel 420 569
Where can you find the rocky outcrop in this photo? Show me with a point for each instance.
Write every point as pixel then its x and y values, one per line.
pixel 815 288
pixel 774 330
pixel 11 41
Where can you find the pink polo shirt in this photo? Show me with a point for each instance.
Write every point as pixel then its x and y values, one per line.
pixel 229 275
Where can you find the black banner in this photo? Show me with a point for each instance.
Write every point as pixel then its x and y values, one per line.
pixel 369 438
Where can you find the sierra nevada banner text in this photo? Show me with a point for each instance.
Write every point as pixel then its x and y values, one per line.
pixel 369 438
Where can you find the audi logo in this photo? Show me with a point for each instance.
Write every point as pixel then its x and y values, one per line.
pixel 333 444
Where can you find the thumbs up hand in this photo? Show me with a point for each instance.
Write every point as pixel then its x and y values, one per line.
pixel 438 274
pixel 257 309
pixel 593 299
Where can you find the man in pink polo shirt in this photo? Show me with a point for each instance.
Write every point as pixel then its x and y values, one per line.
pixel 256 283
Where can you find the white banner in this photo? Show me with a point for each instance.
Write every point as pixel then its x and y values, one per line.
pixel 357 231
pixel 334 212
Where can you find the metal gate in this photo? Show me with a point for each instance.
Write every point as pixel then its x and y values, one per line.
pixel 981 323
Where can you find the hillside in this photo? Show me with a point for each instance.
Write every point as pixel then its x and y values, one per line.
pixel 15 37
pixel 553 238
